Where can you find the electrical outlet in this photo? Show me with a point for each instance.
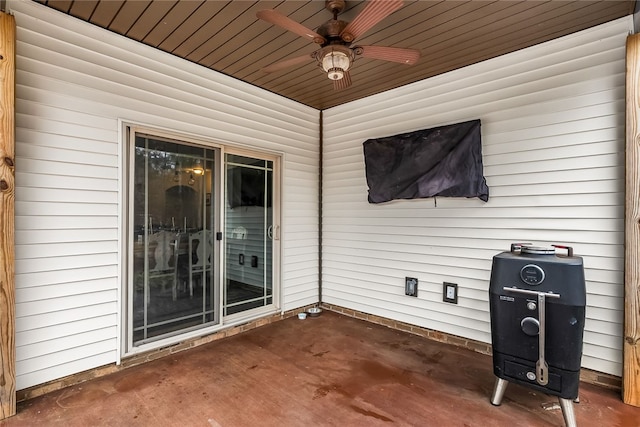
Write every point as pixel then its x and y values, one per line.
pixel 411 286
pixel 450 292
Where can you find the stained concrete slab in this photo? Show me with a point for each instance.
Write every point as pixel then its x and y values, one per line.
pixel 330 370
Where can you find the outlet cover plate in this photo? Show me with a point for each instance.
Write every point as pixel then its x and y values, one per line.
pixel 450 292
pixel 411 286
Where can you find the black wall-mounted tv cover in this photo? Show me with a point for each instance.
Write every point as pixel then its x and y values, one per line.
pixel 444 161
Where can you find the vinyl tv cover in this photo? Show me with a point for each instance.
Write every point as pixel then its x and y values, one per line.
pixel 444 161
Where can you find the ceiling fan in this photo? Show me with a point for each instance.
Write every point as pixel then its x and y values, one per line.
pixel 335 37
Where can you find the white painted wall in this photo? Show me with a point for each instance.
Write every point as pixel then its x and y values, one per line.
pixel 74 82
pixel 553 150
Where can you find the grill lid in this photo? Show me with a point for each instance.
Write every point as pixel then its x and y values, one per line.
pixel 528 248
pixel 537 250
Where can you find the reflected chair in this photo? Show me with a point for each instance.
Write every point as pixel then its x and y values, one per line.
pixel 165 257
pixel 200 251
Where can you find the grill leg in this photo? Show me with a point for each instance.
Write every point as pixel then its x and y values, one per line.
pixel 498 391
pixel 567 412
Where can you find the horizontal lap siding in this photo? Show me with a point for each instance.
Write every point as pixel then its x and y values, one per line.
pixel 553 152
pixel 74 82
pixel 251 220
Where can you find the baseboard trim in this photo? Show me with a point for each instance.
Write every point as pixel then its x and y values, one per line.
pixel 586 375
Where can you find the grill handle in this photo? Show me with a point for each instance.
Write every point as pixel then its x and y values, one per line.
pixel 542 368
pixel 528 292
pixel 518 246
pixel 568 248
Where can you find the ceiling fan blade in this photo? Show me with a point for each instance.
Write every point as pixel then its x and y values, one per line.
pixel 296 60
pixel 374 12
pixel 289 24
pixel 394 54
pixel 343 83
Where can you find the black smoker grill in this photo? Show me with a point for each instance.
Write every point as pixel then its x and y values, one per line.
pixel 537 302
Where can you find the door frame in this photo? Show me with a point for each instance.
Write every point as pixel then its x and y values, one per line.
pixel 129 128
pixel 276 254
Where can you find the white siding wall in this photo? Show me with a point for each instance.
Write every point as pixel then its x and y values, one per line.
pixel 553 149
pixel 252 220
pixel 74 82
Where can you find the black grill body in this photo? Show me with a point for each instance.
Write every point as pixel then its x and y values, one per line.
pixel 516 323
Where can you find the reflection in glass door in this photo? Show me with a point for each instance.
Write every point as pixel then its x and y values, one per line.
pixel 174 286
pixel 249 234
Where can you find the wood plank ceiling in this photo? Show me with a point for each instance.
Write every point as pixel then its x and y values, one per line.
pixel 226 36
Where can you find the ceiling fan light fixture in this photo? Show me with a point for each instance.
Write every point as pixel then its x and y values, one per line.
pixel 335 62
pixel 335 73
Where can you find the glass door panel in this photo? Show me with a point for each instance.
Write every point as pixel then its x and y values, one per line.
pixel 174 249
pixel 249 234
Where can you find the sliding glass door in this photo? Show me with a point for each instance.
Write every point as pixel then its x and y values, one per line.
pixel 175 287
pixel 201 239
pixel 250 234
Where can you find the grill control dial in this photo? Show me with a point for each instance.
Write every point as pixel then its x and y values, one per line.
pixel 532 274
pixel 530 326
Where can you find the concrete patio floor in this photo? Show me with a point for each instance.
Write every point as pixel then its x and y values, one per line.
pixel 331 370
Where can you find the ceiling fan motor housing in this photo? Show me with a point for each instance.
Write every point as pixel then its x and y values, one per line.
pixel 331 30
